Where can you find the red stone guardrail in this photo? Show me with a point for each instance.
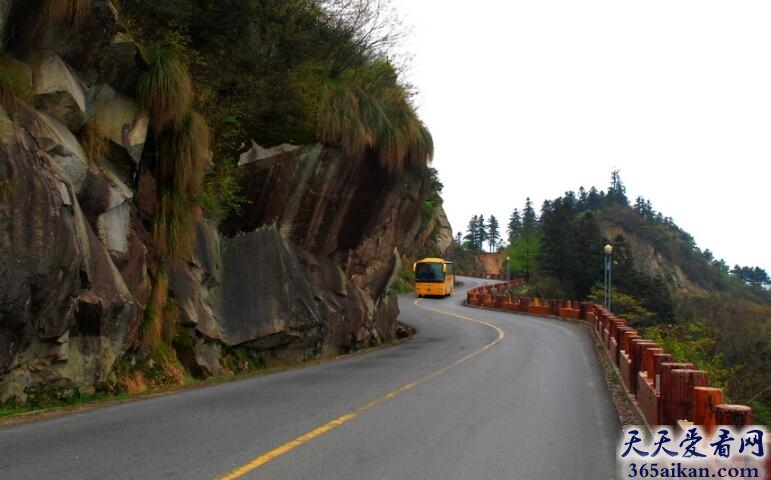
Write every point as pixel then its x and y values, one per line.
pixel 667 392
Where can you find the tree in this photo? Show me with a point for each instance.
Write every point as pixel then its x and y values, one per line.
pixel 481 232
pixel 589 244
pixel 514 228
pixel 471 235
pixel 643 207
pixel 522 253
pixel 476 233
pixel 493 232
pixel 617 191
pixel 529 219
pixel 594 198
pixel 720 265
pixel 583 198
pixel 558 256
pixel 364 28
pixel 751 275
pixel 651 291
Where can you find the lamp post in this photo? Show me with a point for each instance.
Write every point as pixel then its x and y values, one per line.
pixel 508 272
pixel 608 252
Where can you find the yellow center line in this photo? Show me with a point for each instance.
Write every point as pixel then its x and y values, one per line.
pixel 317 432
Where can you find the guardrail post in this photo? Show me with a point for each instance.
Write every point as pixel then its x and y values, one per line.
pixel 638 360
pixel 736 415
pixel 524 304
pixel 705 400
pixel 499 299
pixel 665 392
pixel 650 354
pixel 681 400
pixel 658 359
pixel 471 297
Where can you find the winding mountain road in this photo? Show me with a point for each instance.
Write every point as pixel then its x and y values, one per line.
pixel 474 395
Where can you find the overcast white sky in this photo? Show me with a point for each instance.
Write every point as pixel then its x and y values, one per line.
pixel 537 97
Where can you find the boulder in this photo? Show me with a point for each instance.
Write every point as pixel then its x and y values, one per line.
pixel 257 152
pixel 207 357
pixel 40 254
pixel 264 293
pixel 113 227
pixel 57 143
pixel 64 308
pixel 119 118
pixel 57 91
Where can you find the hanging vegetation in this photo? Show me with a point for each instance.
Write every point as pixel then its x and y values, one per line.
pixel 181 155
pixel 381 122
pixel 165 89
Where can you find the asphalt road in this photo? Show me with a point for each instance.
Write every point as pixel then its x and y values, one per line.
pixel 474 395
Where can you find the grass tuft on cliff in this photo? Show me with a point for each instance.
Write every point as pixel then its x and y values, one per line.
pixel 184 155
pixel 382 122
pixel 95 142
pixel 165 89
pixel 152 324
pixel 340 121
pixel 173 230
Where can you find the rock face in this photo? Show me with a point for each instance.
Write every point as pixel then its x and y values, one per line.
pixel 304 270
pixel 65 309
pixel 348 220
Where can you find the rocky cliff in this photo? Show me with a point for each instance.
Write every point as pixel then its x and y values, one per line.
pixel 304 269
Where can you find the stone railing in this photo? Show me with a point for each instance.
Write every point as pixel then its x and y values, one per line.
pixel 667 392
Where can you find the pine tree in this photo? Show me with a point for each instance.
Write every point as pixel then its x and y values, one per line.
pixel 524 244
pixel 557 256
pixel 594 199
pixel 481 235
pixel 493 232
pixel 583 199
pixel 514 228
pixel 529 219
pixel 617 191
pixel 471 236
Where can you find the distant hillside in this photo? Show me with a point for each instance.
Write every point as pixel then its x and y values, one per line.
pixel 662 283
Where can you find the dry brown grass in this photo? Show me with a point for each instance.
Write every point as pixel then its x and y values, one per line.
pixel 340 122
pixel 173 232
pixel 134 383
pixel 385 124
pixel 150 332
pixel 94 142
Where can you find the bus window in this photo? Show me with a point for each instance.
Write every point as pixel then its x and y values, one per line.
pixel 428 272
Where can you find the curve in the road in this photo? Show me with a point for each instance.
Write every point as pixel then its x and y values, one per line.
pixel 341 420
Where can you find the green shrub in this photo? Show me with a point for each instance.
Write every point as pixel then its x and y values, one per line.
pixel 405 282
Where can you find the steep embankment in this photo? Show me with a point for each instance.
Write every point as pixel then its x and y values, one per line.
pixel 85 268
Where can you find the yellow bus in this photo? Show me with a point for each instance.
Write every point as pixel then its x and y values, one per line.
pixel 434 277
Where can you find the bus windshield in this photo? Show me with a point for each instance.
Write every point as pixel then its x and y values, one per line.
pixel 429 272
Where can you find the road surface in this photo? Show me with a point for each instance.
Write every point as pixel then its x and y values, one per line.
pixel 474 395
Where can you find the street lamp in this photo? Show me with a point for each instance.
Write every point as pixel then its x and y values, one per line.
pixel 608 252
pixel 508 272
